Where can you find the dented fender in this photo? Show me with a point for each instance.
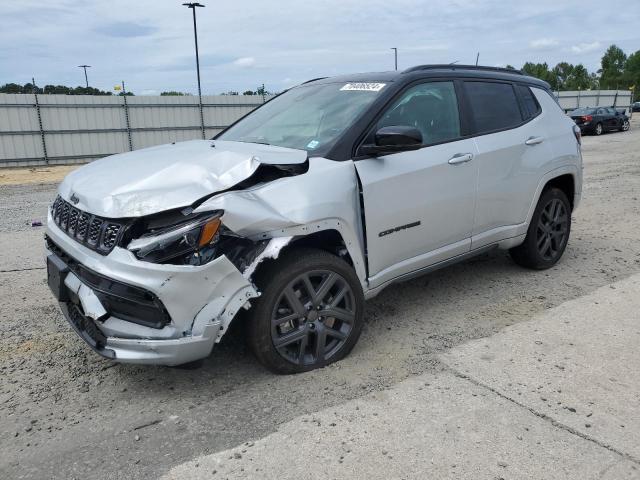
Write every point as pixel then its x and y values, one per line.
pixel 326 197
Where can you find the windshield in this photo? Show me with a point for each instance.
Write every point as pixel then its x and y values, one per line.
pixel 583 111
pixel 309 117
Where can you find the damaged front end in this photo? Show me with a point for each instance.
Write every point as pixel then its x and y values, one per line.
pixel 152 268
pixel 163 298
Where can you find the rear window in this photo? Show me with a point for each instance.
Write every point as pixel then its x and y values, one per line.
pixel 494 106
pixel 583 111
pixel 531 105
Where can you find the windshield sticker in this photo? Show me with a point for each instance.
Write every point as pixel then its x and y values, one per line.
pixel 364 87
pixel 313 144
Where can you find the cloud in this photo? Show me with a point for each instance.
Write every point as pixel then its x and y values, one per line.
pixel 245 62
pixel 586 47
pixel 149 43
pixel 125 29
pixel 543 43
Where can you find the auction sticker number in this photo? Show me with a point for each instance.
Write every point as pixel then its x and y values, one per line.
pixel 364 87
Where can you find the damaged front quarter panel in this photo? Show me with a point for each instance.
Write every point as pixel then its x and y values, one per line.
pixel 224 307
pixel 326 197
pixel 269 216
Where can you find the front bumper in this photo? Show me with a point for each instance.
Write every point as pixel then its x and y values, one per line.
pixel 200 302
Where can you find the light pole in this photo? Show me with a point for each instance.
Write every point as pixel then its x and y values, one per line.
pixel 193 6
pixel 86 79
pixel 395 54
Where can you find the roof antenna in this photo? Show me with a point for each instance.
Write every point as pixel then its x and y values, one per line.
pixel 453 63
pixel 477 58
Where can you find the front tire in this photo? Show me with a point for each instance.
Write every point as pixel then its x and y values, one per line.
pixel 548 232
pixel 625 126
pixel 309 313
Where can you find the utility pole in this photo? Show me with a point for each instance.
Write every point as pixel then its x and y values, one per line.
pixel 86 79
pixel 193 6
pixel 395 55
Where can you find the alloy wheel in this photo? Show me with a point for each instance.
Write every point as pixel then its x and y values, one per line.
pixel 313 317
pixel 552 229
pixel 625 126
pixel 598 129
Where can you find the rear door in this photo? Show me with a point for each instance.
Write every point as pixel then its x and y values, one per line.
pixel 613 120
pixel 419 204
pixel 603 117
pixel 511 149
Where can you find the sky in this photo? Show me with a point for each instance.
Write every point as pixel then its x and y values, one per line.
pixel 243 44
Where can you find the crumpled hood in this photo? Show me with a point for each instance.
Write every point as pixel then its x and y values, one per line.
pixel 160 178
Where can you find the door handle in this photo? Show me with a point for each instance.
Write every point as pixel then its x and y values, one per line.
pixel 533 140
pixel 460 158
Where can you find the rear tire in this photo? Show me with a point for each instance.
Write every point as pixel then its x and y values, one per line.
pixel 309 314
pixel 548 232
pixel 598 130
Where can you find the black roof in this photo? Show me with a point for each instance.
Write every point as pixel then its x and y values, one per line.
pixel 427 71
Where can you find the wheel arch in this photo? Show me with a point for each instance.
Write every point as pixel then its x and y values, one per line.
pixel 564 178
pixel 566 183
pixel 329 238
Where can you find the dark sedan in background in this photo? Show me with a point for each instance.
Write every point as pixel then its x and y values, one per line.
pixel 600 119
pixel 635 107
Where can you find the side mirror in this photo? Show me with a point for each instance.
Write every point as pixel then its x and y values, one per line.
pixel 395 138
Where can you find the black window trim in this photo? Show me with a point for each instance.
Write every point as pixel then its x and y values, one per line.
pixel 515 91
pixel 462 116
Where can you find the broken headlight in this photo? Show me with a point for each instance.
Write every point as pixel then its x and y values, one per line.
pixel 189 243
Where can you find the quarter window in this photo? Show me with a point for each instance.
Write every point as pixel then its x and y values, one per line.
pixel 494 106
pixel 430 107
pixel 531 105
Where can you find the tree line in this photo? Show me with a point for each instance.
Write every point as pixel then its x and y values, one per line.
pixel 617 71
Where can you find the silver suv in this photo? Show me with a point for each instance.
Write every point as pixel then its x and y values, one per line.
pixel 294 215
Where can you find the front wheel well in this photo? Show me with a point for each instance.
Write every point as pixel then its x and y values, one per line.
pixel 328 240
pixel 566 183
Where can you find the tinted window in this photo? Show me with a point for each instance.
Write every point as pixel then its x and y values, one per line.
pixel 494 105
pixel 531 105
pixel 430 107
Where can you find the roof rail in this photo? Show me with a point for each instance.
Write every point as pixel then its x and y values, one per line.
pixel 313 80
pixel 461 67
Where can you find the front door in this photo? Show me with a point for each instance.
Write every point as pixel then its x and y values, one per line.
pixel 419 205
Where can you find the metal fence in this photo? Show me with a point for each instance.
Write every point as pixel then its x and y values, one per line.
pixel 621 99
pixel 68 129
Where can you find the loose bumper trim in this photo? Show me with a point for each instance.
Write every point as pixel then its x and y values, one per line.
pixel 87 330
pixel 140 351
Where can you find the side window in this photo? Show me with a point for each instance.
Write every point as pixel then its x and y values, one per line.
pixel 531 105
pixel 600 111
pixel 494 106
pixel 430 107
